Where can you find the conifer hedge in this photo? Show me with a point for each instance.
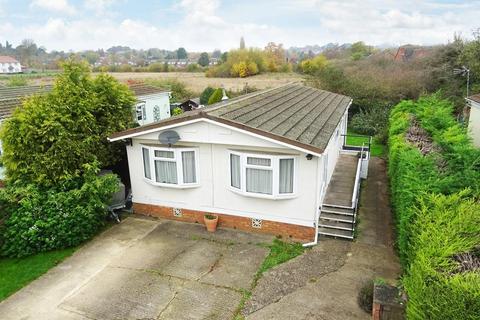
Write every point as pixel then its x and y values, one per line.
pixel 435 183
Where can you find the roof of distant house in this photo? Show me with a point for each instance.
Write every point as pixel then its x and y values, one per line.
pixel 8 59
pixel 142 89
pixel 11 97
pixel 23 91
pixel 294 114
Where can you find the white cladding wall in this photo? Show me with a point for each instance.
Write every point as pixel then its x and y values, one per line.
pixel 213 194
pixel 474 125
pixel 10 67
pixel 161 101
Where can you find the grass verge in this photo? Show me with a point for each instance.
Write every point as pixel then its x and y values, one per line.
pixel 280 252
pixel 378 149
pixel 16 273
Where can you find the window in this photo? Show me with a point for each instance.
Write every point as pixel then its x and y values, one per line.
pixel 141 112
pixel 266 176
pixel 173 167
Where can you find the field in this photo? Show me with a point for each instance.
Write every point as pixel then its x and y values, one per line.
pixel 197 81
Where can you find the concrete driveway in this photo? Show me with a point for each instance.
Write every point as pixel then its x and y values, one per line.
pixel 146 269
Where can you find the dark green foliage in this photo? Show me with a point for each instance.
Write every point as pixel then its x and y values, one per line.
pixel 216 96
pixel 436 219
pixel 365 296
pixel 204 59
pixel 42 219
pixel 206 93
pixel 371 121
pixel 182 53
pixel 52 137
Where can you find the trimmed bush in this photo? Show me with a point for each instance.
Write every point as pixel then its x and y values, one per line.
pixel 54 218
pixel 434 188
pixel 216 96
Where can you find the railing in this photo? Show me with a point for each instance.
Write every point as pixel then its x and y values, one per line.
pixel 364 154
pixel 346 146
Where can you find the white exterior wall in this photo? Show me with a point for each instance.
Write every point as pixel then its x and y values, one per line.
pixel 474 124
pixel 162 100
pixel 10 67
pixel 214 194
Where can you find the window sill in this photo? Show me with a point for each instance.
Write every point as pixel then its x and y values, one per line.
pixel 262 196
pixel 172 186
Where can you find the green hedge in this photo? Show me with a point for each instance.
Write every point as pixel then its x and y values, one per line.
pixel 435 217
pixel 40 220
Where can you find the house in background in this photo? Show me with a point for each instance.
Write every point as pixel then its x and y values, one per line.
pixel 9 65
pixel 153 104
pixel 473 104
pixel 263 162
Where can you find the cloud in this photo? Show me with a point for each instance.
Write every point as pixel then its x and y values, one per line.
pixel 60 6
pixel 100 7
pixel 200 25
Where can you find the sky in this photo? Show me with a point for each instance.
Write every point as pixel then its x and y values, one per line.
pixel 205 25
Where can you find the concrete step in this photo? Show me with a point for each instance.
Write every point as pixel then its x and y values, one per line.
pixel 337 209
pixel 335 233
pixel 331 224
pixel 335 217
pixel 338 212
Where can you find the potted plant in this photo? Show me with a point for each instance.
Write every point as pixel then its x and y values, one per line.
pixel 211 222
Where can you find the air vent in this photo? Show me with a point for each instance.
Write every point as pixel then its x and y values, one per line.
pixel 256 223
pixel 177 212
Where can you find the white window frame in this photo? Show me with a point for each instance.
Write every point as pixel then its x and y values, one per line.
pixel 177 158
pixel 274 166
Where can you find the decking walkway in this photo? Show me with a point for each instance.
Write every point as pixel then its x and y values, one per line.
pixel 337 215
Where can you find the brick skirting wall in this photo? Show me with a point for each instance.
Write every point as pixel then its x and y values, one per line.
pixel 285 230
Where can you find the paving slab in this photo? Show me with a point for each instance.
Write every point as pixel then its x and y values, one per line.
pixel 202 301
pixel 237 267
pixel 117 293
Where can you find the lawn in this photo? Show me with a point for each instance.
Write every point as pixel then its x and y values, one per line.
pixel 16 273
pixel 378 149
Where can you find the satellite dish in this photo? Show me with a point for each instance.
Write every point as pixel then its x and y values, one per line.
pixel 168 137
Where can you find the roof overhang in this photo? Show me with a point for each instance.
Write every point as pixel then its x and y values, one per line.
pixel 202 116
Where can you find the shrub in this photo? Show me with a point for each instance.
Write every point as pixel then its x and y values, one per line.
pixel 216 96
pixel 436 219
pixel 206 94
pixel 17 81
pixel 365 296
pixel 177 111
pixel 46 219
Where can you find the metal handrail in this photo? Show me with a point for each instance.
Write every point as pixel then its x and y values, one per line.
pixel 356 188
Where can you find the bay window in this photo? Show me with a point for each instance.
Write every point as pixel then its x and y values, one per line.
pixel 261 175
pixel 170 167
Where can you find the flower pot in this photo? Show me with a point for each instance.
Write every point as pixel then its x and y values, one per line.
pixel 211 222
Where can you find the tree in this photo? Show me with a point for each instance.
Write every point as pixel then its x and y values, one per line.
pixel 57 136
pixel 311 66
pixel 203 60
pixel 242 43
pixel 216 53
pixel 27 50
pixel 182 53
pixel 216 96
pixel 359 50
pixel 275 55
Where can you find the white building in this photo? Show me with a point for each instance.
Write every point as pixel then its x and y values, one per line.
pixel 9 65
pixel 262 161
pixel 474 118
pixel 153 104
